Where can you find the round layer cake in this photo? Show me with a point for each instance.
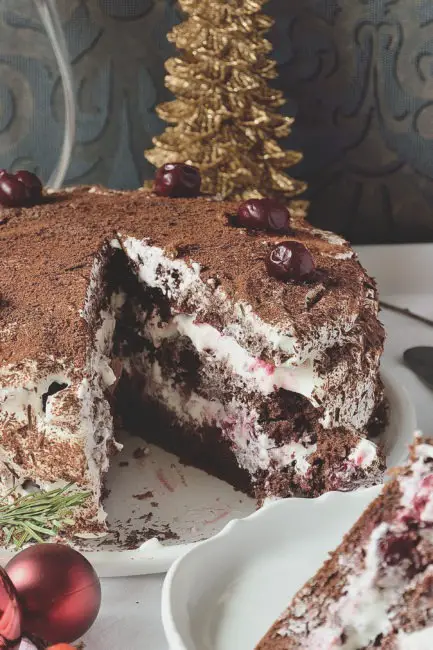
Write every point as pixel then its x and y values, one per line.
pixel 165 311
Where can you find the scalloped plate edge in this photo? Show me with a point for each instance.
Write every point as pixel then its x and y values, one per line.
pixel 226 536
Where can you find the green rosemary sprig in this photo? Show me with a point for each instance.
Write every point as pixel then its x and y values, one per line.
pixel 37 516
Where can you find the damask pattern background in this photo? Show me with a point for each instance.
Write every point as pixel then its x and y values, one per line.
pixel 358 74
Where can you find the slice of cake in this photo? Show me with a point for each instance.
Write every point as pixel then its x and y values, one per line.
pixel 171 314
pixel 376 590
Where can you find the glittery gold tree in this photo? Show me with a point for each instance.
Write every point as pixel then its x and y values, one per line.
pixel 226 116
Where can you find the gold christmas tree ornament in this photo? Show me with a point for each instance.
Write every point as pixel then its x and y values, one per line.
pixel 226 117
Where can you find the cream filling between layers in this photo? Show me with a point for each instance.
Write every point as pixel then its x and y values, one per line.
pixel 268 378
pixel 254 450
pixel 263 377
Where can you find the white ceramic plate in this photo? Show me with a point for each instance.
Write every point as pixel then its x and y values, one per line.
pixel 227 591
pixel 402 420
pixel 153 494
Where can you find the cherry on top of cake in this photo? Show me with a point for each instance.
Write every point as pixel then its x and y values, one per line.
pixel 47 250
pixel 22 188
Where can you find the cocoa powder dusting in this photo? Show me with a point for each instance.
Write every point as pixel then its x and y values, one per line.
pixel 47 252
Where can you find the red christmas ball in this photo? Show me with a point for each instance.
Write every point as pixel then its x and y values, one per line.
pixel 59 591
pixel 10 612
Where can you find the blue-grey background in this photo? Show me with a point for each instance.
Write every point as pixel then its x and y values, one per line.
pixel 358 74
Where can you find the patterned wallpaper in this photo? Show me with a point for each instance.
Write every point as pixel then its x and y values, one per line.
pixel 357 73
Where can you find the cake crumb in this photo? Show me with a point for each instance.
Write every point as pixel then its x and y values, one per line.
pixel 141 452
pixel 144 495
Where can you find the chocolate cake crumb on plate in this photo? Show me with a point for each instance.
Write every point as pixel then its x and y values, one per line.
pixel 161 314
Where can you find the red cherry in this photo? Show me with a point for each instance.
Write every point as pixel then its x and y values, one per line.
pixel 177 180
pixel 396 548
pixel 263 214
pixel 13 193
pixel 290 260
pixel 10 612
pixel 32 183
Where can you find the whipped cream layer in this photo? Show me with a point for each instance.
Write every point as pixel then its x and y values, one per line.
pixel 260 375
pixel 267 378
pixel 254 450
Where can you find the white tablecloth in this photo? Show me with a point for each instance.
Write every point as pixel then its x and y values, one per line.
pixel 130 618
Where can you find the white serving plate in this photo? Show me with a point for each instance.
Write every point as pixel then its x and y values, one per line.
pixel 156 491
pixel 227 591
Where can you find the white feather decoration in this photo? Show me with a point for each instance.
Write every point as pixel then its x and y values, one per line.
pixel 50 18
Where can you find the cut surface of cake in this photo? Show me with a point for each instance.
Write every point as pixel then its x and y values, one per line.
pixel 376 590
pixel 162 312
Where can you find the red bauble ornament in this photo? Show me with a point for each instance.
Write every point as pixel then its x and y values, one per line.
pixel 58 589
pixel 10 613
